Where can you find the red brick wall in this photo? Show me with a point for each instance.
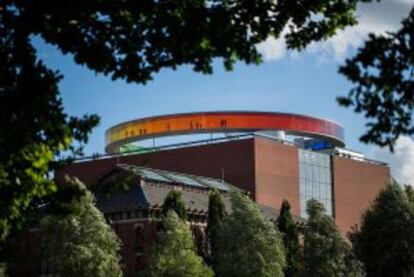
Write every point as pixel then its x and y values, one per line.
pixel 131 262
pixel 268 169
pixel 233 159
pixel 277 174
pixel 26 248
pixel 25 254
pixel 356 184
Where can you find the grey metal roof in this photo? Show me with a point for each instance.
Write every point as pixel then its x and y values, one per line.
pixel 194 200
pixel 175 177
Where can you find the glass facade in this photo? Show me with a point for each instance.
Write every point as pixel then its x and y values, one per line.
pixel 315 179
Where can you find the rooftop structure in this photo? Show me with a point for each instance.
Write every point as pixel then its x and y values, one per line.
pixel 223 122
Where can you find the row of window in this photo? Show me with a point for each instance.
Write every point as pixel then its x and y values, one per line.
pixel 317 190
pixel 310 157
pixel 315 180
pixel 315 173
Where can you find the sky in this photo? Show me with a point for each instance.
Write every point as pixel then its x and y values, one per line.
pixel 304 83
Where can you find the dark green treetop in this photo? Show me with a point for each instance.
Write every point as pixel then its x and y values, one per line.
pixel 175 253
pixel 385 241
pixel 325 252
pixel 248 243
pixel 79 242
pixel 216 213
pixel 290 232
pixel 173 202
pixel 410 192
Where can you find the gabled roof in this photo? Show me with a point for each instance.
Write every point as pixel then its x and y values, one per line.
pixel 156 186
pixel 121 199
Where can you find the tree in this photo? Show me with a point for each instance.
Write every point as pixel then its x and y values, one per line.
pixel 290 231
pixel 383 72
pixel 216 213
pixel 34 128
pixel 385 241
pixel 80 243
pixel 326 253
pixel 410 192
pixel 175 252
pixel 133 40
pixel 248 244
pixel 173 202
pixel 2 270
pixel 128 40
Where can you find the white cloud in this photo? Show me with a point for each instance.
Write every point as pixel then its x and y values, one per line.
pixel 338 46
pixel 377 18
pixel 272 49
pixel 401 161
pixel 373 18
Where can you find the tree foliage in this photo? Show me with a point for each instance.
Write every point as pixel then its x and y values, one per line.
pixel 175 252
pixel 410 192
pixel 34 127
pixel 383 73
pixel 385 241
pixel 173 202
pixel 290 231
pixel 3 270
pixel 132 40
pixel 326 253
pixel 216 213
pixel 79 242
pixel 248 244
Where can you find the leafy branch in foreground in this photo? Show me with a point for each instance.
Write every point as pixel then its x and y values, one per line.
pixel 383 74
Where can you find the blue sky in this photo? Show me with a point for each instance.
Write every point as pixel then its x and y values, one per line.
pixel 305 83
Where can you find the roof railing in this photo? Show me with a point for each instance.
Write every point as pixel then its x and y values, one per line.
pixel 98 156
pixel 362 159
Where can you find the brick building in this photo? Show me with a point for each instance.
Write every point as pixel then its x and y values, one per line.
pixel 269 169
pixel 131 199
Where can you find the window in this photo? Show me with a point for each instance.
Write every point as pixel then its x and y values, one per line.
pixel 138 246
pixel 315 180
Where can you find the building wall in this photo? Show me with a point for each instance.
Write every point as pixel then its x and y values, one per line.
pixel 25 254
pixel 356 184
pixel 135 249
pixel 137 237
pixel 233 160
pixel 277 174
pixel 268 169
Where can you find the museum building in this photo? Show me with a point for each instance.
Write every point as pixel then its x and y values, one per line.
pixel 313 164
